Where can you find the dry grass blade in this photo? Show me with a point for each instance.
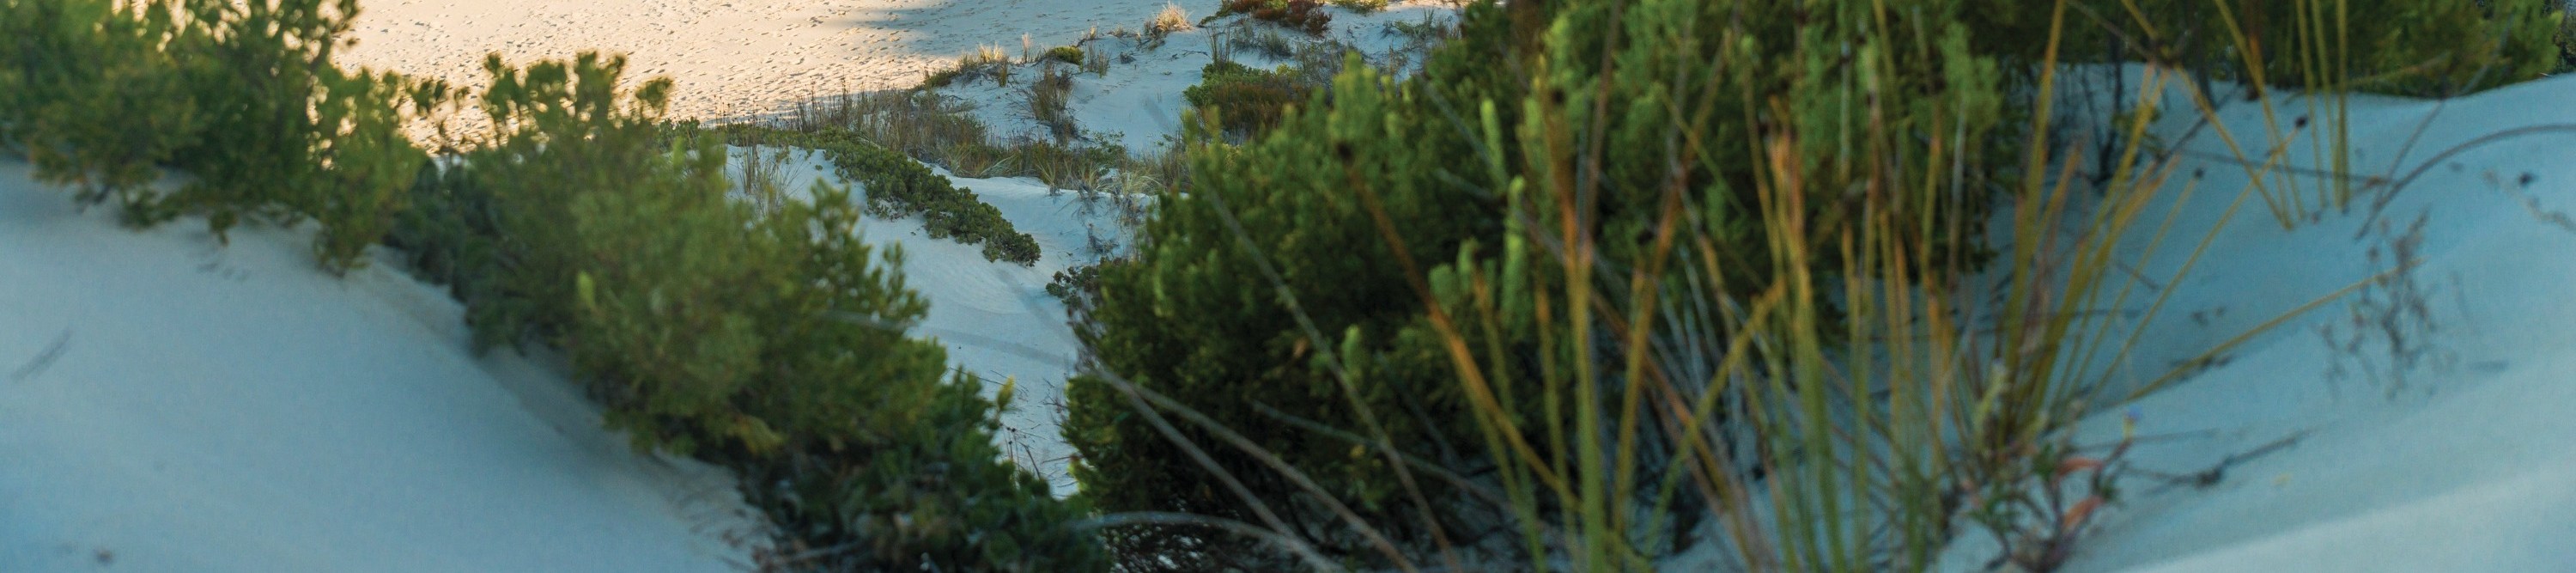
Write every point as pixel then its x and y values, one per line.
pixel 1170 19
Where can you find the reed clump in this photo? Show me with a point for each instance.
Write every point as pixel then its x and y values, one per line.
pixel 1608 282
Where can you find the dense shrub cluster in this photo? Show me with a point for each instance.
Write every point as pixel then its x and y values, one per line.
pixel 773 344
pixel 1195 318
pixel 242 95
pixel 1067 54
pixel 2406 47
pixel 1268 295
pixel 897 186
pixel 1246 100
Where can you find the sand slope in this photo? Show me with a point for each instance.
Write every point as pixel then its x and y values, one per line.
pixel 2463 461
pixel 171 404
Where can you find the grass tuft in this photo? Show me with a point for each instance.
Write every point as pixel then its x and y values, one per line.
pixel 1169 20
pixel 1048 103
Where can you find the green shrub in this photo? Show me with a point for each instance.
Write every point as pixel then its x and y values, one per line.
pixel 1066 54
pixel 367 164
pixel 87 92
pixel 1689 117
pixel 2407 47
pixel 897 186
pixel 2566 40
pixel 243 96
pixel 773 344
pixel 1196 317
pixel 1075 286
pixel 1245 100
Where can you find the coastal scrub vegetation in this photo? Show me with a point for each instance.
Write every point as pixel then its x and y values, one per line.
pixel 242 96
pixel 1609 282
pixel 770 341
pixel 896 186
pixel 1604 283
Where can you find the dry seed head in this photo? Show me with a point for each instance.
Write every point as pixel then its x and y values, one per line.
pixel 1171 19
pixel 988 53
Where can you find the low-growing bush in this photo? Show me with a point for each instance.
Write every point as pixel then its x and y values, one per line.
pixel 87 92
pixel 1309 273
pixel 773 344
pixel 1075 286
pixel 583 219
pixel 243 96
pixel 899 187
pixel 1615 267
pixel 1067 54
pixel 2432 48
pixel 1245 100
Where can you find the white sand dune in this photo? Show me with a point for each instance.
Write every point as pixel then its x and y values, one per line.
pixel 996 318
pixel 171 404
pixel 2467 461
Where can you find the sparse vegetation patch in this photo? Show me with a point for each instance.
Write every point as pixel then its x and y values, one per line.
pixel 1306 16
pixel 1245 100
pixel 1049 102
pixel 896 186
